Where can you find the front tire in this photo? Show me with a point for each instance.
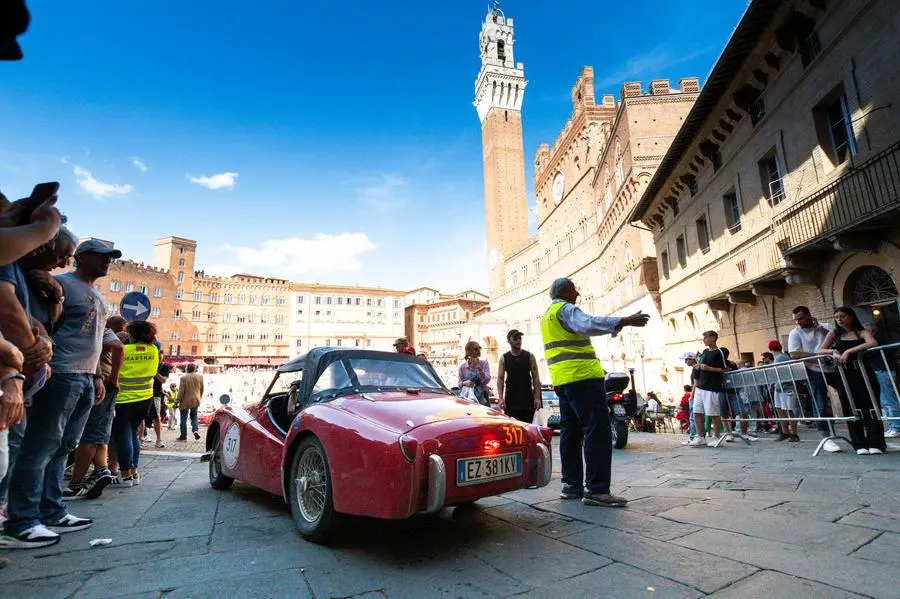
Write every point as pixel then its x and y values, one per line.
pixel 312 505
pixel 619 434
pixel 217 480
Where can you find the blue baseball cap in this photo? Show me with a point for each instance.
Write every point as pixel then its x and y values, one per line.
pixel 96 246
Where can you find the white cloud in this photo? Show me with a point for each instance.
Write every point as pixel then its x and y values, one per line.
pixel 383 194
pixel 220 181
pixel 139 164
pixel 322 254
pixel 98 189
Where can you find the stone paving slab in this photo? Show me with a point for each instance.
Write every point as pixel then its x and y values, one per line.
pixel 848 574
pixel 687 566
pixel 616 581
pixel 624 520
pixel 775 584
pixel 874 518
pixel 885 548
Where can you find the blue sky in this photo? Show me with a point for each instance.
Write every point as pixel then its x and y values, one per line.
pixel 318 141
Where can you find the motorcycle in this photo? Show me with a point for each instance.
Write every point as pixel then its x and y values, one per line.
pixel 622 405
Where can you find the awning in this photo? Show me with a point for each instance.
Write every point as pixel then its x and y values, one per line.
pixel 251 361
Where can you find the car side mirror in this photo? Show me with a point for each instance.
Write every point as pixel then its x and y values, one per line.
pixel 225 399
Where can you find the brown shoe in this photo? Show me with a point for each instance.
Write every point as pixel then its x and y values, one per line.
pixel 3 562
pixel 603 500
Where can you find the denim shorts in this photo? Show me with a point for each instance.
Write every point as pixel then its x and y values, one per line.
pixel 99 424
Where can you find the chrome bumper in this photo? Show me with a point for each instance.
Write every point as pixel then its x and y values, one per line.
pixel 544 468
pixel 437 484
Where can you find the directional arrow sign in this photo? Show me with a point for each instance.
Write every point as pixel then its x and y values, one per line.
pixel 135 306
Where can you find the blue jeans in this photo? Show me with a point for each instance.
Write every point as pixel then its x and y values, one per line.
pixel 125 427
pixel 890 407
pixel 819 392
pixel 56 419
pixel 16 433
pixel 184 417
pixel 584 427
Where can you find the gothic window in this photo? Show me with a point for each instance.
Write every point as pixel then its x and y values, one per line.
pixel 620 166
pixel 501 50
pixel 871 286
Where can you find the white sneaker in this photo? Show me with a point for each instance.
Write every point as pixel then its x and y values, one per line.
pixel 749 437
pixel 697 442
pixel 729 438
pixel 862 452
pixel 875 451
pixel 832 447
pixel 892 434
pixel 711 440
pixel 69 523
pixel 36 536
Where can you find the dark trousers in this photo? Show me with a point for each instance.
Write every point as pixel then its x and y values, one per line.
pixel 867 433
pixel 125 431
pixel 584 426
pixel 520 413
pixel 192 412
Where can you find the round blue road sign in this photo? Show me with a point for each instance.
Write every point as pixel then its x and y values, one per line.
pixel 135 306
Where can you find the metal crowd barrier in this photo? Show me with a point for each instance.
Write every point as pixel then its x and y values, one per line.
pixel 790 378
pixel 878 357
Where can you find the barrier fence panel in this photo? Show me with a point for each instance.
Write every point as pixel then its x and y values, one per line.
pixel 797 389
pixel 878 366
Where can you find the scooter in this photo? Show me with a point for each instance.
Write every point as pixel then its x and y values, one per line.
pixel 622 405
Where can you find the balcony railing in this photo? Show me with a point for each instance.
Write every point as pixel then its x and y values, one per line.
pixel 869 190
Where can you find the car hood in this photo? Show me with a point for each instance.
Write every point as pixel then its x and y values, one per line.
pixel 402 412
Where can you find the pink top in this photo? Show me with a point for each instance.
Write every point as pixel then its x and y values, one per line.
pixel 484 370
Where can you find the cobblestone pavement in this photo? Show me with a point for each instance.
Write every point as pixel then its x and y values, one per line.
pixel 738 521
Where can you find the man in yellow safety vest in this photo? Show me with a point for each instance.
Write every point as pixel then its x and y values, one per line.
pixel 577 378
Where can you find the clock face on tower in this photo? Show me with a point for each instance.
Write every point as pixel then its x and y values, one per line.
pixel 493 258
pixel 559 182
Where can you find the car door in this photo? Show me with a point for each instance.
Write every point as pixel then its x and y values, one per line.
pixel 265 437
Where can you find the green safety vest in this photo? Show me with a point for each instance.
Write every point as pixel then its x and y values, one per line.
pixel 570 356
pixel 139 367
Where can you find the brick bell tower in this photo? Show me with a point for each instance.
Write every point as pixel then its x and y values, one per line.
pixel 499 91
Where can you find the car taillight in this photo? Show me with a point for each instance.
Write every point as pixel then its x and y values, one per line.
pixel 491 444
pixel 408 447
pixel 547 434
pixel 616 397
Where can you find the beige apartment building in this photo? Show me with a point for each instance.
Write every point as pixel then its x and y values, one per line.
pixel 247 319
pixel 586 185
pixel 782 188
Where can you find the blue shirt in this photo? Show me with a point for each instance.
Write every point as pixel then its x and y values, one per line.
pixel 575 321
pixel 78 339
pixel 13 273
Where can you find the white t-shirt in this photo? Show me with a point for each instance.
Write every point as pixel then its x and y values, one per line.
pixel 807 340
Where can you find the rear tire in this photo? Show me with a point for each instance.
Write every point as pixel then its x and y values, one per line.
pixel 619 434
pixel 310 496
pixel 217 480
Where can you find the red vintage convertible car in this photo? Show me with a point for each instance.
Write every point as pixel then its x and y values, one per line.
pixel 371 433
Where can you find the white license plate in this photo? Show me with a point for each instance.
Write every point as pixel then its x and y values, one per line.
pixel 474 471
pixel 619 409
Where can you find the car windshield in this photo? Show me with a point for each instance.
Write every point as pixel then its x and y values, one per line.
pixel 285 380
pixel 373 374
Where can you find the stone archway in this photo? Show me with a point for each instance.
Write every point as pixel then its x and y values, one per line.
pixel 872 291
pixel 490 351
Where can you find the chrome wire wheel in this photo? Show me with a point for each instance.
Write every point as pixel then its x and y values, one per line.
pixel 310 484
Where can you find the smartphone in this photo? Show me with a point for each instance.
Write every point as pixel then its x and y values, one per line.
pixel 40 194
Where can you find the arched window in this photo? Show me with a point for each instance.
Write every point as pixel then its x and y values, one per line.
pixel 628 256
pixel 620 166
pixel 871 285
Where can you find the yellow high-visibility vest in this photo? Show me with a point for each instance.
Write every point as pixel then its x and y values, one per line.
pixel 570 356
pixel 139 366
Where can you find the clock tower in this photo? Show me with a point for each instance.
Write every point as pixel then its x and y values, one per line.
pixel 499 91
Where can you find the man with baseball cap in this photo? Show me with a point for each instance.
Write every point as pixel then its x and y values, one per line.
pixel 518 380
pixel 402 346
pixel 56 419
